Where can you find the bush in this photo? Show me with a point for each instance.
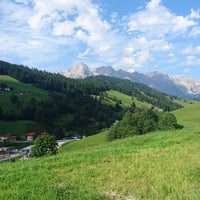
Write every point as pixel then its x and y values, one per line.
pixel 44 145
pixel 141 121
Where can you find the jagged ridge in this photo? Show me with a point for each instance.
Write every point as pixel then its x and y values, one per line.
pixel 180 87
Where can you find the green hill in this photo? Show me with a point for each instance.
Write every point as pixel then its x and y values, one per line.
pixel 160 165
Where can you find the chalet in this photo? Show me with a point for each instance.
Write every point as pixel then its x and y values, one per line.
pixel 30 136
pixel 8 138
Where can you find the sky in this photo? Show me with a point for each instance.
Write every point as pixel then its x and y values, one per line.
pixel 133 35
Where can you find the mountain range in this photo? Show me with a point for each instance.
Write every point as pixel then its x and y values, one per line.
pixel 180 87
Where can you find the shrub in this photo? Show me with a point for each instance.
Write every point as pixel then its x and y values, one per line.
pixel 44 145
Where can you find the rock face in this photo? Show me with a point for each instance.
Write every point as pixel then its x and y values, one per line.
pixel 180 87
pixel 79 71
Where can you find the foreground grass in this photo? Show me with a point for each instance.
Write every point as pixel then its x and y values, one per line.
pixel 87 143
pixel 156 166
pixel 160 165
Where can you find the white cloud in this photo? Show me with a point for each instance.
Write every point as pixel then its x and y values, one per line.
pixel 193 60
pixel 36 44
pixel 114 17
pixel 157 21
pixel 192 50
pixel 84 54
pixel 171 55
pixel 75 19
pixel 195 31
pixel 153 4
pixel 135 61
pixel 139 51
pixel 195 14
pixel 104 48
pixel 64 28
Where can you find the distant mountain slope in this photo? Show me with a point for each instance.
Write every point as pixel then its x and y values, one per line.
pixel 181 87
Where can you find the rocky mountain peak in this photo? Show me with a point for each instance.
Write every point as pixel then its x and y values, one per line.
pixel 80 70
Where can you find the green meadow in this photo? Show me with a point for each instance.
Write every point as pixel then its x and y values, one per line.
pixel 159 165
pixel 18 127
pixel 126 100
pixel 19 87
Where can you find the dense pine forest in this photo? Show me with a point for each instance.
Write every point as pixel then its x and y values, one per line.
pixel 77 101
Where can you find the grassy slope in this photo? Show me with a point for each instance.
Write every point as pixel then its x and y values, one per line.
pixel 126 99
pixel 17 127
pixel 161 165
pixel 18 87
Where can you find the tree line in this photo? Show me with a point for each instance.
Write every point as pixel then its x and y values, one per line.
pixel 138 121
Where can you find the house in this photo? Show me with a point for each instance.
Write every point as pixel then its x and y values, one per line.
pixel 44 133
pixel 8 138
pixel 30 136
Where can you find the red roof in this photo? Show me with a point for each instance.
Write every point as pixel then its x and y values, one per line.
pixel 31 134
pixel 44 133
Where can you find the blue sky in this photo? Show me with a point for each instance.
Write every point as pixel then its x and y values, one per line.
pixel 134 35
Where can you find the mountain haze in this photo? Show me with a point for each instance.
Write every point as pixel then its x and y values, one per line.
pixel 180 87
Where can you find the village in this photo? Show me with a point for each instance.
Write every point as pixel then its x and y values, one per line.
pixel 8 151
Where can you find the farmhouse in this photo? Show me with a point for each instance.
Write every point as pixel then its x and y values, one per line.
pixel 8 138
pixel 30 136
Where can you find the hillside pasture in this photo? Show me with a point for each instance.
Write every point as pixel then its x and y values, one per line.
pixel 23 91
pixel 126 100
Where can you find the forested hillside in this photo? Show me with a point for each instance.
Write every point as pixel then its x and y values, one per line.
pixel 70 106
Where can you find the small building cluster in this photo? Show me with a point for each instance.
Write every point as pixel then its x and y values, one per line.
pixel 8 152
pixel 12 138
pixel 8 138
